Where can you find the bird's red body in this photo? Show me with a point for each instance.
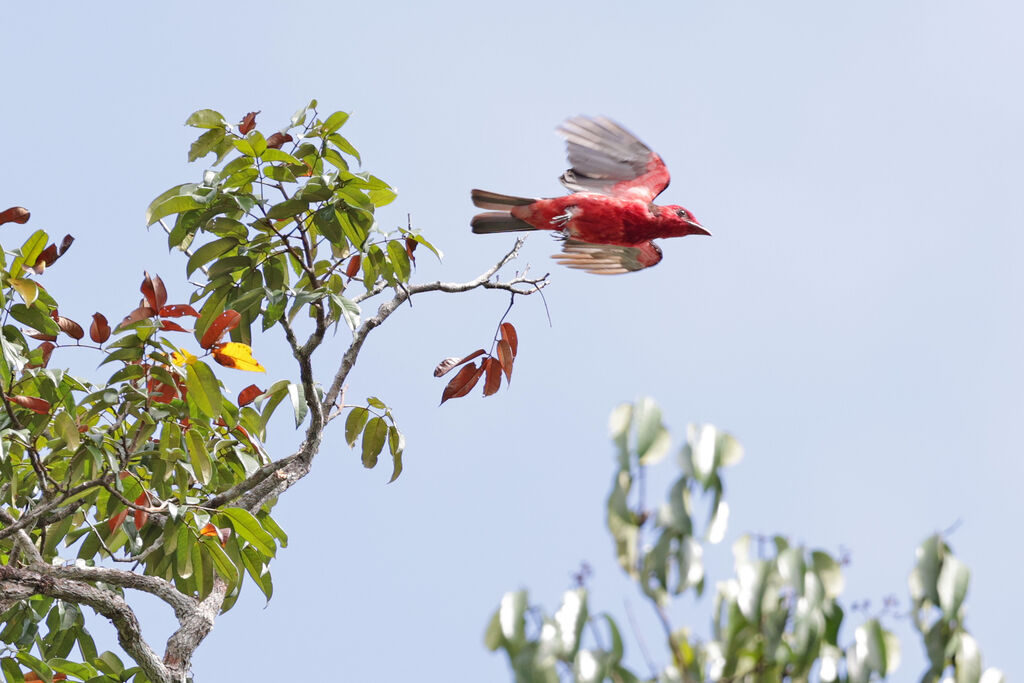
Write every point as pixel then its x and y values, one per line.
pixel 602 219
pixel 609 220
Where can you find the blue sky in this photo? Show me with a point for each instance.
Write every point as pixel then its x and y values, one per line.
pixel 854 321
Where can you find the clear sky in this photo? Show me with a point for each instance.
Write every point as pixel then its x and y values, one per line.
pixel 855 320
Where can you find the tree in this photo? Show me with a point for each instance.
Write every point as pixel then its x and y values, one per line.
pixel 152 480
pixel 779 618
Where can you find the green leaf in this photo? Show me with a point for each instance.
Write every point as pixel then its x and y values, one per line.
pixel 29 252
pixel 925 576
pixel 183 552
pixel 396 444
pixel 221 562
pixel 952 586
pixel 399 260
pixel 208 252
pixel 36 665
pixel 276 531
pixel 422 240
pixel 170 206
pixel 205 118
pixel 374 436
pixel 12 672
pixel 228 227
pixel 326 221
pixel 354 424
pixel 203 389
pixel 205 143
pixel 570 619
pixel 968 660
pixel 334 122
pixel 492 636
pixel 259 571
pixel 512 619
pixel 76 669
pixel 649 430
pixel 280 155
pixel 68 430
pixel 250 529
pixel 35 317
pixel 287 209
pixel 202 465
pixel 349 310
pixel 299 406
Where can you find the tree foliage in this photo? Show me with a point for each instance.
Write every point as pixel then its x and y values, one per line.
pixel 779 617
pixel 151 477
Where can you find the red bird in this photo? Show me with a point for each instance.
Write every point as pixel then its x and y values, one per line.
pixel 609 220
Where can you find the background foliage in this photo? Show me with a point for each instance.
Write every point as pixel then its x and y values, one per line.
pixel 779 617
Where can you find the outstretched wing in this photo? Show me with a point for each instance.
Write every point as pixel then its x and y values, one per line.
pixel 607 158
pixel 608 259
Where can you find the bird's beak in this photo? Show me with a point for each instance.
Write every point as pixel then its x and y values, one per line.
pixel 698 229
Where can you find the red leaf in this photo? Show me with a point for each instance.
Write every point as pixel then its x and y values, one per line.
pixel 448 363
pixel 32 677
pixel 45 258
pixel 70 328
pixel 40 336
pixel 248 395
pixel 64 244
pixel 245 435
pixel 213 532
pixel 99 331
pixel 154 291
pixel 353 266
pixel 277 139
pixel 140 313
pixel 508 333
pixel 170 326
pixel 462 383
pixel 47 349
pixel 36 405
pixel 410 246
pixel 493 380
pixel 506 357
pixel 177 311
pixel 15 214
pixel 248 123
pixel 161 392
pixel 141 515
pixel 117 520
pixel 225 322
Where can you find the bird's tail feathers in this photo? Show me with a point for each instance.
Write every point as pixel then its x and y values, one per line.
pixel 498 221
pixel 492 200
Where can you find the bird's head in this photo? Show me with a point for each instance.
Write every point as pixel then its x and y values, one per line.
pixel 682 220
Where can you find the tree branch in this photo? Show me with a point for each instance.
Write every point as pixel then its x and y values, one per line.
pixel 348 360
pixel 193 629
pixel 17 584
pixel 183 605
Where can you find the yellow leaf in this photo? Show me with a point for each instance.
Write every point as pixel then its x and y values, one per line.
pixel 28 289
pixel 237 356
pixel 183 358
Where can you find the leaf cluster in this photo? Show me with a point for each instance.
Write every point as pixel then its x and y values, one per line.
pixel 778 618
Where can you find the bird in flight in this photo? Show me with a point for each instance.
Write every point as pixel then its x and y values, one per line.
pixel 609 221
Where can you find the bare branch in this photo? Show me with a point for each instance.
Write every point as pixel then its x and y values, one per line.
pixel 17 583
pixel 182 604
pixel 517 285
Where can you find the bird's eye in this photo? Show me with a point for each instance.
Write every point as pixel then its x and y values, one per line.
pixel 681 213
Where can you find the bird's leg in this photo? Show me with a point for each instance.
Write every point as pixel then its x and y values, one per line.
pixel 562 219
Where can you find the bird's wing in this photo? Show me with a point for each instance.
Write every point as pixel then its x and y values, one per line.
pixel 608 259
pixel 607 158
